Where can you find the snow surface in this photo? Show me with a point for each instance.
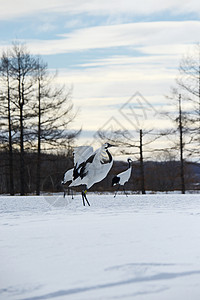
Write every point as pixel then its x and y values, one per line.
pixel 136 247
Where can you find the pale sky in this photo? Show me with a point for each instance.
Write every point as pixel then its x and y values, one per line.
pixel 109 51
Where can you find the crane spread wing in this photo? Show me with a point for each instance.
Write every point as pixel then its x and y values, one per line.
pixel 68 176
pixel 81 154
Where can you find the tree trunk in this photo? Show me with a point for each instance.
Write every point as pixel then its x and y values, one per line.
pixel 199 102
pixel 181 148
pixel 39 143
pixel 22 167
pixel 142 166
pixel 10 147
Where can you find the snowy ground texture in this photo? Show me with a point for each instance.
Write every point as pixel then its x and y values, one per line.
pixel 136 247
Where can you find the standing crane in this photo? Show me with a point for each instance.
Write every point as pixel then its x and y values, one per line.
pixel 122 177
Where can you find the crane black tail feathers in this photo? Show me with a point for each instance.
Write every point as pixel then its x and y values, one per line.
pixel 115 180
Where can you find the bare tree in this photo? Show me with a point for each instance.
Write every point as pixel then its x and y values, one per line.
pixel 22 68
pixel 178 136
pixel 35 112
pixel 188 84
pixel 142 163
pixel 181 148
pixel 6 107
pixel 54 111
pixel 185 114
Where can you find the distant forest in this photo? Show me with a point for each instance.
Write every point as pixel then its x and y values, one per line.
pixel 159 176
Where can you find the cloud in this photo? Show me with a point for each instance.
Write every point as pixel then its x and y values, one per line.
pixel 108 86
pixel 151 34
pixel 46 27
pixel 14 9
pixel 169 57
pixel 74 23
pixel 102 85
pixel 100 91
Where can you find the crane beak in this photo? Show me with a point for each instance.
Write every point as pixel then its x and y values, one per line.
pixel 110 145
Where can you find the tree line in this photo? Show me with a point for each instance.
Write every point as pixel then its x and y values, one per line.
pixel 163 176
pixel 35 112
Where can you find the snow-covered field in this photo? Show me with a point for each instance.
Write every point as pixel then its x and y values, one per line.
pixel 136 247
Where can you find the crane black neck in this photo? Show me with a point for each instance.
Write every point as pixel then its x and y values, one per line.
pixel 109 155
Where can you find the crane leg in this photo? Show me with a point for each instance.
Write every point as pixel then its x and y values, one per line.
pixel 64 192
pixel 85 198
pixel 116 191
pixel 68 193
pixel 125 192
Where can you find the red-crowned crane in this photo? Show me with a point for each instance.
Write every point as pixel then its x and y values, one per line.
pixel 122 177
pixel 92 170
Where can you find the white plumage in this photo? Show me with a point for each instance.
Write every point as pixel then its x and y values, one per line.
pixel 92 169
pixel 68 176
pixel 122 177
pixel 80 155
